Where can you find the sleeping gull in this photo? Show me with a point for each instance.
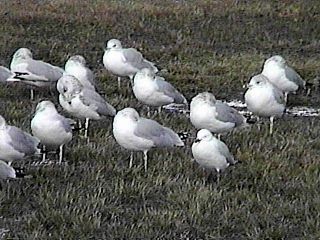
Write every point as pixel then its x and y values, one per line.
pixel 281 75
pixel 124 62
pixel 76 66
pixel 154 91
pixel 53 130
pixel 140 134
pixel 211 153
pixel 214 115
pixel 33 72
pixel 5 74
pixel 15 144
pixel 81 102
pixel 264 99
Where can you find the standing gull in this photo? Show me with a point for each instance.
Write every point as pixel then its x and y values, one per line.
pixel 33 72
pixel 281 75
pixel 264 99
pixel 154 91
pixel 211 153
pixel 124 62
pixel 53 130
pixel 140 134
pixel 15 144
pixel 216 116
pixel 76 66
pixel 81 102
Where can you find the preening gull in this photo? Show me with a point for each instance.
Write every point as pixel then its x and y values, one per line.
pixel 264 99
pixel 218 117
pixel 81 102
pixel 124 62
pixel 140 134
pixel 53 130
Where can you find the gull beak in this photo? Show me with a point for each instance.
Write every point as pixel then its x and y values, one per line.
pixel 197 140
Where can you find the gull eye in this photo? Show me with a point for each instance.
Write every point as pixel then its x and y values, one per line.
pixel 114 45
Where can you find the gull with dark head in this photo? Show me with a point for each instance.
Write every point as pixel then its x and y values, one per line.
pixel 52 129
pixel 140 134
pixel 33 72
pixel 218 117
pixel 154 90
pixel 76 66
pixel 15 144
pixel 264 99
pixel 281 75
pixel 211 153
pixel 124 62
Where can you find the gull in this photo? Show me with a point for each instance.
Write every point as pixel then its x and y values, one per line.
pixel 124 62
pixel 140 134
pixel 52 129
pixel 76 66
pixel 5 74
pixel 33 72
pixel 211 153
pixel 81 102
pixel 281 75
pixel 154 91
pixel 214 115
pixel 15 144
pixel 264 99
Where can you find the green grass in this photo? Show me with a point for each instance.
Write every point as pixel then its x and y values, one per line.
pixel 204 45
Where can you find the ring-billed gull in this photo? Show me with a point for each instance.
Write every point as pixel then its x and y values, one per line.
pixel 76 66
pixel 281 75
pixel 15 144
pixel 5 74
pixel 124 62
pixel 52 129
pixel 154 91
pixel 81 102
pixel 33 72
pixel 140 134
pixel 211 153
pixel 264 99
pixel 214 115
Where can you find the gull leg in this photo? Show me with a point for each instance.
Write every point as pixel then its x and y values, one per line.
pixel 131 160
pixel 31 94
pixel 119 83
pixel 9 163
pixel 258 120
pixel 285 97
pixel 218 176
pixel 86 128
pixel 61 154
pixel 145 157
pixel 44 153
pixel 159 110
pixel 79 124
pixel 271 125
pixel 148 114
pixel 219 136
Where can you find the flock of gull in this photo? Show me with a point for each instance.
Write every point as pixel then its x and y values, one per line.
pixel 266 96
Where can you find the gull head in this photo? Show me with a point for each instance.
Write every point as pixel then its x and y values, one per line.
pixel 76 60
pixel 204 135
pixel 22 53
pixel 258 81
pixel 69 84
pixel 147 72
pixel 2 123
pixel 45 105
pixel 277 60
pixel 205 97
pixel 114 44
pixel 129 113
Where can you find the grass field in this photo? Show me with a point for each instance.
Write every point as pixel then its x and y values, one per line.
pixel 205 46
